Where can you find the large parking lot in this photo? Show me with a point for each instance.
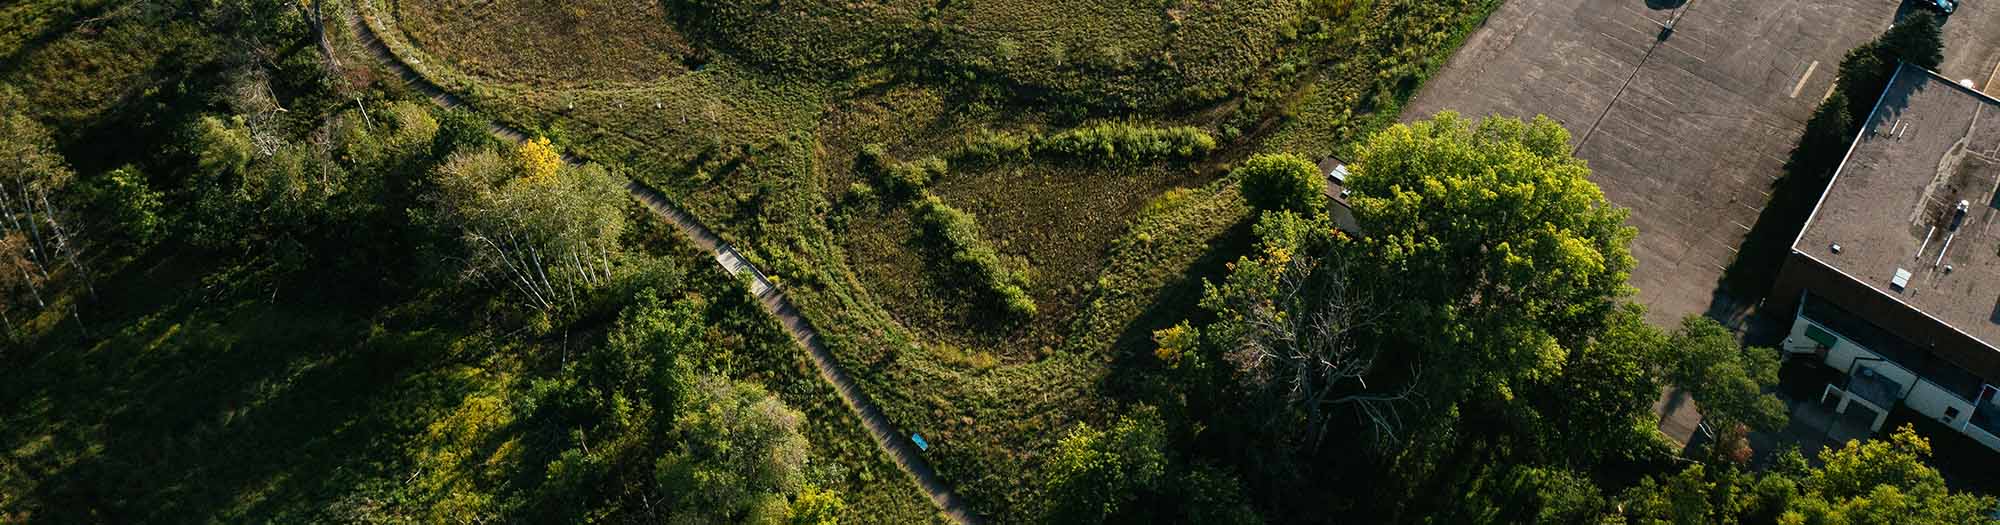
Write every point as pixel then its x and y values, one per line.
pixel 1686 128
pixel 1972 44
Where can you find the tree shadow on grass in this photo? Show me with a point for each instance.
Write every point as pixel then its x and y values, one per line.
pixel 200 411
pixel 1135 372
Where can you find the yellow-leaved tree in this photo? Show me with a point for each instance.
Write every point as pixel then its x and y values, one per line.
pixel 538 160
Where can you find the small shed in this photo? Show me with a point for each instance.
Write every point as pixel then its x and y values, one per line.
pixel 1335 172
pixel 1333 169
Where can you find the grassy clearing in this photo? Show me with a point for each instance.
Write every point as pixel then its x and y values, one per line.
pixel 1393 48
pixel 963 255
pixel 591 42
pixel 1098 54
pixel 991 427
pixel 75 79
pixel 24 24
pixel 669 131
pixel 1059 221
pixel 1048 214
pixel 822 39
pixel 1120 54
pixel 761 145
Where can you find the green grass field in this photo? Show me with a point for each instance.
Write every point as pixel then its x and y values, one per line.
pixel 762 142
pixel 548 44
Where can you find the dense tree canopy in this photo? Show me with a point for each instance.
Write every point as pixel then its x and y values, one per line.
pixel 1097 471
pixel 1506 255
pixel 1475 337
pixel 741 455
pixel 1917 40
pixel 268 232
pixel 1877 481
pixel 532 224
pixel 1728 380
pixel 1282 182
pixel 1300 328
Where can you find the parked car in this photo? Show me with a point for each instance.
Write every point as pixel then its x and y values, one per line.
pixel 1941 6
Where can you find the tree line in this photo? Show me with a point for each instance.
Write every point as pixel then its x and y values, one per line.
pixel 1470 355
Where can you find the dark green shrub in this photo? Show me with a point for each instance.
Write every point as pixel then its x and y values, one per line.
pixel 872 160
pixel 907 179
pixel 900 180
pixel 1114 143
pixel 957 233
pixel 1865 71
pixel 126 206
pixel 1282 182
pixel 1094 473
pixel 993 146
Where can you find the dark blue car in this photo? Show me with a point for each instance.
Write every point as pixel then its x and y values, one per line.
pixel 1942 6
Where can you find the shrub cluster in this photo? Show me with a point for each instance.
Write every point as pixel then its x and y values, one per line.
pixel 1283 182
pixel 958 233
pixel 1113 143
pixel 988 146
pixel 902 180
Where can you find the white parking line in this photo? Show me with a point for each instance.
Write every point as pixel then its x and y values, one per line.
pixel 1802 79
pixel 1989 81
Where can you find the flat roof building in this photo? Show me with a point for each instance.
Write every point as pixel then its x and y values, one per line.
pixel 1896 274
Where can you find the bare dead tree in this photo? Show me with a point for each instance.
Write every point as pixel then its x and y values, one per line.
pixel 546 242
pixel 65 246
pixel 39 245
pixel 1302 343
pixel 310 11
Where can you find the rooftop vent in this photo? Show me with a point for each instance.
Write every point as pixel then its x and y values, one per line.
pixel 1901 281
pixel 1835 247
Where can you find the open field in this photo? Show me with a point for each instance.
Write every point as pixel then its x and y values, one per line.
pixel 761 144
pixel 531 41
pixel 1688 130
pixel 1097 54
